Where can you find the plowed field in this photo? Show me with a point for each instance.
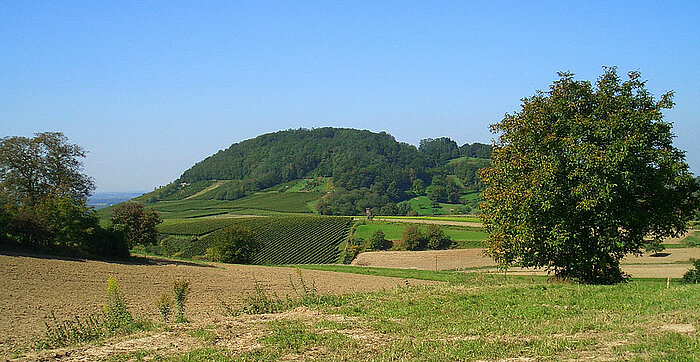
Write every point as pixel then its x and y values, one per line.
pixel 672 263
pixel 33 287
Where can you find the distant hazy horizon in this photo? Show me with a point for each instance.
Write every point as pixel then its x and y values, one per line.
pixel 149 89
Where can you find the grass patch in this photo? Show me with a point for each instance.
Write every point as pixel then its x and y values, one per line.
pixel 438 218
pixel 490 319
pixel 442 276
pixel 203 334
pixel 393 230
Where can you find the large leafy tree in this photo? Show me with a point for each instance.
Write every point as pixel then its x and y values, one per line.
pixel 581 174
pixel 43 195
pixel 47 165
pixel 138 222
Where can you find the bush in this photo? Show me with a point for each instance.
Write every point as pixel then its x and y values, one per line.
pixel 436 238
pixel 165 306
pixel 377 241
pixel 412 238
pixel 692 276
pixel 233 244
pixel 138 222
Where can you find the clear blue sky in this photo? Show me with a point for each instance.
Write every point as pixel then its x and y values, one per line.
pixel 149 88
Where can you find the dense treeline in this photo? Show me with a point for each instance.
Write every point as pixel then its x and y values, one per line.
pixel 42 200
pixel 367 170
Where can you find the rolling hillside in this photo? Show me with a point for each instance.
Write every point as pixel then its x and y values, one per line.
pixel 332 171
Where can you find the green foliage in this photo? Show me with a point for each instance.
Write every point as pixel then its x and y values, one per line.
pixel 654 247
pixel 377 241
pixel 116 311
pixel 45 166
pixel 181 289
pixel 72 331
pixel 581 174
pixel 418 187
pixel 165 306
pixel 309 163
pixel 436 238
pixel 114 318
pixel 233 244
pixel 138 222
pixel 412 238
pixel 692 276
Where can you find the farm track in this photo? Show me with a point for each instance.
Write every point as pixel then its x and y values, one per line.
pixel 33 287
pixel 207 189
pixel 672 265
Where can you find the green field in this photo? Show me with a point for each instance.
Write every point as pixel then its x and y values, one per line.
pixel 264 203
pixel 423 206
pixel 438 218
pixel 393 230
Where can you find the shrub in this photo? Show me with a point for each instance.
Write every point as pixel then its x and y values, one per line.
pixel 692 276
pixel 436 238
pixel 654 247
pixel 180 290
pixel 377 241
pixel 233 244
pixel 412 238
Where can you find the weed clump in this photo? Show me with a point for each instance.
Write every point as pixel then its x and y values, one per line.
pixel 165 306
pixel 181 289
pixel 116 311
pixel 114 318
pixel 261 301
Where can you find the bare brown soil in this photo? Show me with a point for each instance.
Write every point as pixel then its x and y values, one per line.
pixel 673 264
pixel 426 260
pixel 33 287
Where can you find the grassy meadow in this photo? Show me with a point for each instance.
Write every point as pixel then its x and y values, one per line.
pixel 471 317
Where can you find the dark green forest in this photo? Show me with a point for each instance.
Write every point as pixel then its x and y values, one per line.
pixel 364 169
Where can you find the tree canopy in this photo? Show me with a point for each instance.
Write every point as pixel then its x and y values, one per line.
pixel 138 222
pixel 33 168
pixel 581 174
pixel 43 195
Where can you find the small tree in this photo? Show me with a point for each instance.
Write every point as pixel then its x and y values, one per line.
pixel 233 244
pixel 412 238
pixel 377 241
pixel 436 238
pixel 139 223
pixel 581 175
pixel 654 247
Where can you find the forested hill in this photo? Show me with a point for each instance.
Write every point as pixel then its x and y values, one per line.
pixel 359 168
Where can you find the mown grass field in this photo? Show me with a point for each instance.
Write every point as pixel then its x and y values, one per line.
pixel 393 231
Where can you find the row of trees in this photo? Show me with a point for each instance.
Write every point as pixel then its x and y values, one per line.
pixel 42 199
pixel 412 238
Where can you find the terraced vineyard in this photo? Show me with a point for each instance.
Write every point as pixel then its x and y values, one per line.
pixel 265 203
pixel 285 239
pixel 193 227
